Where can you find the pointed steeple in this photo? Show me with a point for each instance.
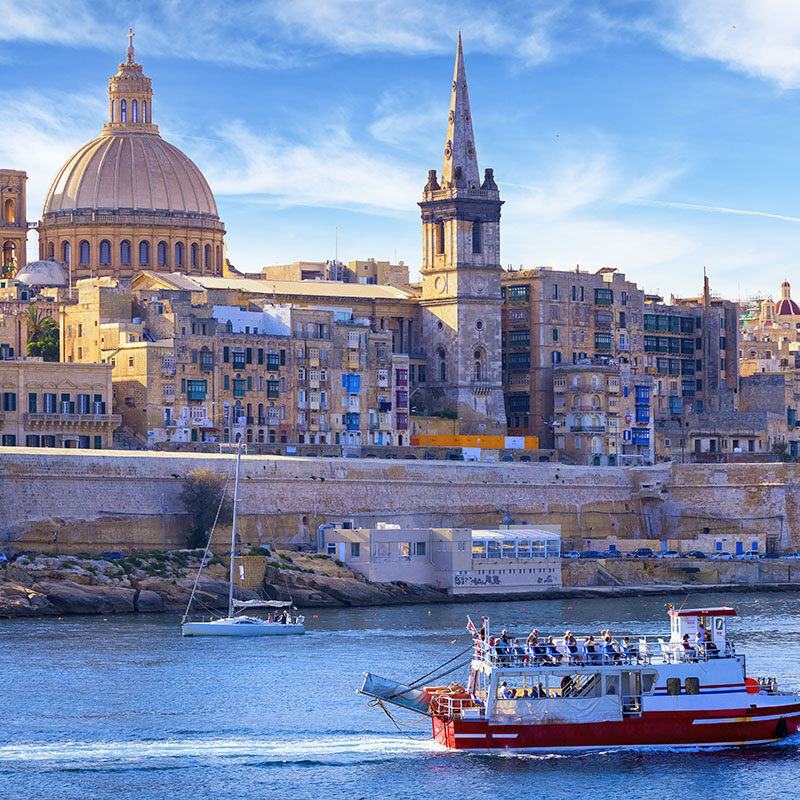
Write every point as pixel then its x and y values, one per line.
pixel 460 166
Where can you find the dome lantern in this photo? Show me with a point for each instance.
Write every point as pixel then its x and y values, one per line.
pixel 130 96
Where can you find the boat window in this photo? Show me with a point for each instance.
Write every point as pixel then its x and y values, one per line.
pixel 693 686
pixel 648 682
pixel 612 684
pixel 673 686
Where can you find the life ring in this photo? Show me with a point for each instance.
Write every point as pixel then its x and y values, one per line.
pixel 751 685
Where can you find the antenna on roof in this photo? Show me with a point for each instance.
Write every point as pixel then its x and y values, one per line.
pixel 685 600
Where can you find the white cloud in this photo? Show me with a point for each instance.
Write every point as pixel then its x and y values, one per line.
pixel 757 37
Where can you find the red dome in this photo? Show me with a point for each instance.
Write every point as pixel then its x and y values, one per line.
pixel 787 307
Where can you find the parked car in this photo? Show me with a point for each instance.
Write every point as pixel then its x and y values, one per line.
pixel 749 556
pixel 591 554
pixel 696 554
pixel 669 554
pixel 571 554
pixel 642 552
pixel 791 555
pixel 612 554
pixel 770 555
pixel 722 555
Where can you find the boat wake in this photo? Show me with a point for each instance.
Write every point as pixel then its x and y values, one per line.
pixel 331 750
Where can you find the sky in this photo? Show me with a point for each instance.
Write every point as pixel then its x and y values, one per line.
pixel 655 137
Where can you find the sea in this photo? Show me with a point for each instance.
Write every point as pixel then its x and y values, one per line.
pixel 123 707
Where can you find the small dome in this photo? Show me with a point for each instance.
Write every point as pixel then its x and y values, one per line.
pixel 42 273
pixel 787 308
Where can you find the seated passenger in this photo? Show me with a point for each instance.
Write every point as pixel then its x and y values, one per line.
pixel 629 650
pixel 590 650
pixel 501 652
pixel 553 655
pixel 610 653
pixel 571 646
pixel 540 690
pixel 687 647
pixel 505 692
pixel 520 656
pixel 539 650
pixel 712 650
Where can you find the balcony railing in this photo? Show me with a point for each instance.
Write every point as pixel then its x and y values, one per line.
pixel 71 419
pixel 587 428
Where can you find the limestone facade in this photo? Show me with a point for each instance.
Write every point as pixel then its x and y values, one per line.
pixel 47 404
pixel 13 222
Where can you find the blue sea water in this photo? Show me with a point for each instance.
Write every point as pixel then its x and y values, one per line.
pixel 126 708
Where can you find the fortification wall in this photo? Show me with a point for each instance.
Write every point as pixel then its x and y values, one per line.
pixel 120 500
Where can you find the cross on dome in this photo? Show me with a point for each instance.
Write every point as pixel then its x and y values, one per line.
pixel 131 34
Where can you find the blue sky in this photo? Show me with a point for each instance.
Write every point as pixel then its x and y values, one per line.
pixel 655 137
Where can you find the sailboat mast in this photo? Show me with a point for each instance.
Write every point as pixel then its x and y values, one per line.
pixel 233 528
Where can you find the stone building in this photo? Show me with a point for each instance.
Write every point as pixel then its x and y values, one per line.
pixel 460 300
pixel 129 200
pixel 48 404
pixel 553 317
pixel 369 271
pixel 13 222
pixel 602 413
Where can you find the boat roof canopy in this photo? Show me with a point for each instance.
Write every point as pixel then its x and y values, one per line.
pixel 261 603
pixel 720 611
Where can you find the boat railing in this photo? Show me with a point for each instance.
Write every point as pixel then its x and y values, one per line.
pixel 645 650
pixel 449 706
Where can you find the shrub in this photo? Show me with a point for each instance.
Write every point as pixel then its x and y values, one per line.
pixel 202 494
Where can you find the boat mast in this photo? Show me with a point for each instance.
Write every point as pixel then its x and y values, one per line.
pixel 233 528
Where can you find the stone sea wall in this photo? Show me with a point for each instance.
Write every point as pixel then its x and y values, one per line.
pixel 114 500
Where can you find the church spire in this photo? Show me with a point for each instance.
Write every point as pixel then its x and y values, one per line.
pixel 130 96
pixel 460 166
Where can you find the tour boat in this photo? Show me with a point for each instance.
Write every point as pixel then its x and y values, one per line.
pixel 238 624
pixel 691 690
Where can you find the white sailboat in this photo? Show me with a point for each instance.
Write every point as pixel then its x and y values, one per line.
pixel 239 624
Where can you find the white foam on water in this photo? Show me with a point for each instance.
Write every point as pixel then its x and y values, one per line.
pixel 339 749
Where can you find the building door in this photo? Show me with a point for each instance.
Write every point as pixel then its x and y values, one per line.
pixel 739 548
pixel 342 546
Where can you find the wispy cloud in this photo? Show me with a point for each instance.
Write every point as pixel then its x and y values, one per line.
pixel 717 209
pixel 757 37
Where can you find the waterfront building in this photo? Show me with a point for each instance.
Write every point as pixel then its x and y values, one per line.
pixel 49 404
pixel 458 560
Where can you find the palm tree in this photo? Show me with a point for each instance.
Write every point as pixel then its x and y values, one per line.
pixel 35 323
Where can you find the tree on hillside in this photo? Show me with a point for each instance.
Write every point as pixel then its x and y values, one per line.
pixel 201 494
pixel 42 335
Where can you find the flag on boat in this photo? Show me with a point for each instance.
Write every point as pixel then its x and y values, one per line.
pixel 470 627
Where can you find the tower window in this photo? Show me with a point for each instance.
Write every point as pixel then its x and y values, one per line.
pixel 51 251
pixel 144 111
pixel 134 111
pixel 162 254
pixel 193 256
pixel 442 366
pixel 144 253
pixel 476 237
pixel 105 252
pixel 440 236
pixel 85 252
pixel 124 252
pixel 478 365
pixel 8 211
pixel 65 253
pixel 179 254
pixel 207 257
pixel 123 111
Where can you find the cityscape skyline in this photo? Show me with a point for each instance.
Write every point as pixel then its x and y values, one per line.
pixel 684 164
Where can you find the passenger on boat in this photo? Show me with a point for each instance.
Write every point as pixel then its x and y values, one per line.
pixel 687 647
pixel 628 649
pixel 566 685
pixel 270 617
pixel 501 651
pixel 539 650
pixel 505 692
pixel 520 656
pixel 592 656
pixel 571 646
pixel 610 653
pixel 712 651
pixel 553 654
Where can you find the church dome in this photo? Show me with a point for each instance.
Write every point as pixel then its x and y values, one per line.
pixel 132 170
pixel 42 273
pixel 786 307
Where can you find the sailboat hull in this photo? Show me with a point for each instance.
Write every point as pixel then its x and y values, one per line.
pixel 241 626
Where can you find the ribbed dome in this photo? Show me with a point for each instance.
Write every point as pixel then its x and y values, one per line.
pixel 130 170
pixel 787 307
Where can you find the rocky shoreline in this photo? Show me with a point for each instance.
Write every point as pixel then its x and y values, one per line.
pixel 60 585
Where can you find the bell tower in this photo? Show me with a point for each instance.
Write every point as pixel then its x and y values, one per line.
pixel 461 278
pixel 13 224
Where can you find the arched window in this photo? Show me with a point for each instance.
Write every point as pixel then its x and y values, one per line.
pixel 440 237
pixel 260 413
pixel 85 252
pixel 65 253
pixel 179 254
pixel 123 111
pixel 250 435
pixel 9 254
pixel 219 259
pixel 207 257
pixel 134 111
pixel 476 236
pixel 162 254
pixel 113 105
pixel 124 252
pixel 51 251
pixel 144 111
pixel 442 366
pixel 105 252
pixel 144 253
pixel 228 327
pixel 8 211
pixel 193 255
pixel 478 366
pixel 261 436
